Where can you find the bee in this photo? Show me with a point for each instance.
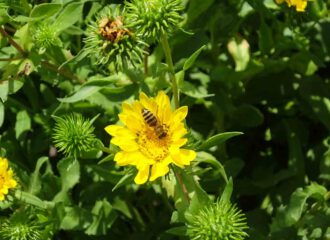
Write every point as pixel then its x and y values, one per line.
pixel 152 121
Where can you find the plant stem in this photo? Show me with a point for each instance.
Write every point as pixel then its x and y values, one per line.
pixel 62 71
pixel 12 42
pixel 105 149
pixel 169 61
pixel 183 186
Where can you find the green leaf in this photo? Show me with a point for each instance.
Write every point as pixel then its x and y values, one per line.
pixel 69 169
pixel 69 16
pixel 127 178
pixel 247 115
pixel 178 231
pixel 103 218
pixel 217 140
pixel 44 10
pixel 289 215
pixel 91 87
pixel 30 199
pixel 210 159
pixel 194 91
pixel 9 87
pixel 226 195
pixel 83 93
pixel 2 113
pixel 74 218
pixel 191 60
pixel 23 123
pixel 35 183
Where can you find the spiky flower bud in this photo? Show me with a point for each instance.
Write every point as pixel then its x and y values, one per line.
pixel 19 230
pixel 109 40
pixel 218 221
pixel 45 35
pixel 151 18
pixel 73 134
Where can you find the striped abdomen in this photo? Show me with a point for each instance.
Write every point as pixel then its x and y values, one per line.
pixel 149 118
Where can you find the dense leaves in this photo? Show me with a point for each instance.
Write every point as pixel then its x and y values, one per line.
pixel 254 75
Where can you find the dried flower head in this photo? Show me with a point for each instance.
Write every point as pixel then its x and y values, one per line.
pixel 219 220
pixel 6 178
pixel 109 40
pixel 152 137
pixel 151 18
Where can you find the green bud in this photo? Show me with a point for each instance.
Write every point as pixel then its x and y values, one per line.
pixel 73 134
pixel 109 40
pixel 45 36
pixel 151 18
pixel 19 230
pixel 218 221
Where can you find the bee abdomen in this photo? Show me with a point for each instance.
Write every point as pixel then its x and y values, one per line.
pixel 149 118
pixel 160 132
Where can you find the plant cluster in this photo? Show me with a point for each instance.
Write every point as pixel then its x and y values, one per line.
pixel 164 119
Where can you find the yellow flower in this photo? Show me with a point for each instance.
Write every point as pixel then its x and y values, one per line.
pixel 299 4
pixel 152 137
pixel 6 178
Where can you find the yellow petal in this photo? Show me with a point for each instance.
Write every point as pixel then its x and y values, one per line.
pixel 148 103
pixel 119 131
pixel 2 197
pixel 12 183
pixel 125 144
pixel 180 142
pixel 178 132
pixel 3 164
pixel 184 157
pixel 142 176
pixel 132 124
pixel 125 158
pixel 158 169
pixel 180 114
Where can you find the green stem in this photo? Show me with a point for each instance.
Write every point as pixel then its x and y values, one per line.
pixel 169 61
pixel 105 149
pixel 180 182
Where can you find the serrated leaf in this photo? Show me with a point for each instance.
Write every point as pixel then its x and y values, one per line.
pixel 191 60
pixel 289 215
pixel 217 140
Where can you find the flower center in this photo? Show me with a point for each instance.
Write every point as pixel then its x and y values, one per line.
pixel 112 30
pixel 152 144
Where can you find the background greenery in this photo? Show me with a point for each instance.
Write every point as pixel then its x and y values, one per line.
pixel 264 71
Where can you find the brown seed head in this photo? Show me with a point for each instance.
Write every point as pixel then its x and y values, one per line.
pixel 112 30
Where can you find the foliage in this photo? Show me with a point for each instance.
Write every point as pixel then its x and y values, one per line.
pixel 253 73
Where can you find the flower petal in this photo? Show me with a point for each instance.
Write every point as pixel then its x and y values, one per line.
pixel 180 114
pixel 142 176
pixel 158 169
pixel 125 144
pixel 125 158
pixel 148 103
pixel 184 157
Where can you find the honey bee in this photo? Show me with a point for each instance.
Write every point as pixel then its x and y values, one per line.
pixel 152 121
